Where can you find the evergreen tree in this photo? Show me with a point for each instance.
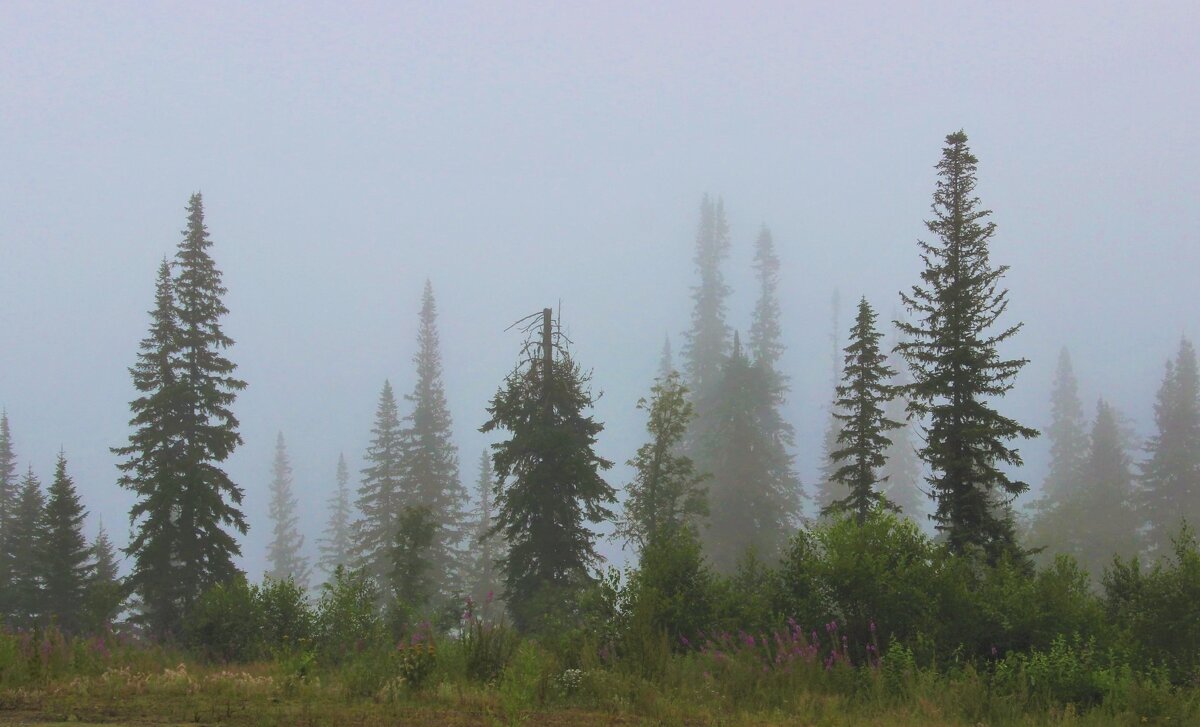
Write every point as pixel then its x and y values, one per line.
pixel 412 577
pixel 1067 434
pixel 666 361
pixel 1094 520
pixel 864 393
pixel 488 547
pixel 828 489
pixel 8 510
pixel 665 495
pixel 209 502
pixel 430 462
pixel 379 493
pixel 153 467
pixel 27 547
pixel 901 481
pixel 66 570
pixel 1170 477
pixel 957 371
pixel 555 490
pixel 708 341
pixel 751 494
pixel 104 598
pixel 337 545
pixel 284 553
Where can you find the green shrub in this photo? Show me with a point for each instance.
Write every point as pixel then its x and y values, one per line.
pixel 347 618
pixel 288 618
pixel 487 648
pixel 226 624
pixel 672 591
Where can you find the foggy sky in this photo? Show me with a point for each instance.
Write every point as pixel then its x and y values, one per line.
pixel 519 155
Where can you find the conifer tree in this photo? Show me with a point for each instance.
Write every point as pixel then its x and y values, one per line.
pixel 1170 476
pixel 666 360
pixel 708 340
pixel 284 554
pixel 488 548
pixel 665 495
pixel 27 547
pixel 337 544
pixel 862 396
pixel 209 501
pixel 751 495
pixel 411 579
pixel 65 556
pixel 8 509
pixel 379 493
pixel 828 489
pixel 104 597
pixel 153 467
pixel 901 481
pixel 952 352
pixel 548 483
pixel 430 461
pixel 1067 433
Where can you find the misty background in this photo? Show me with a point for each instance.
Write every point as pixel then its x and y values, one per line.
pixel 519 156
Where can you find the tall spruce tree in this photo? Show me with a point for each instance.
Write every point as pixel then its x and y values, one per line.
pixel 27 547
pixel 666 360
pixel 430 461
pixel 548 483
pixel 153 467
pixel 8 510
pixel 105 597
pixel 66 566
pixel 379 493
pixel 752 499
pixel 864 393
pixel 952 351
pixel 707 343
pixel 338 542
pixel 284 557
pixel 484 583
pixel 665 495
pixel 412 577
pixel 1067 433
pixel 902 469
pixel 828 489
pixel 1170 477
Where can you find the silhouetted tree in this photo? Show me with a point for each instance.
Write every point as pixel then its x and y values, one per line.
pixel 952 351
pixel 65 556
pixel 28 547
pixel 338 543
pixel 1170 476
pixel 430 458
pixel 1068 455
pixel 284 554
pixel 707 343
pixel 411 580
pixel 379 493
pixel 548 483
pixel 862 396
pixel 8 511
pixel 105 597
pixel 665 494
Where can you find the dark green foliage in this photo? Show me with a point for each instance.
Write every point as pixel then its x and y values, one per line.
pixel 665 495
pixel 284 553
pixel 348 614
pixel 708 340
pixel 673 588
pixel 548 483
pixel 288 620
pixel 752 493
pixel 863 438
pixel 226 622
pixel 430 459
pixel 337 544
pixel 8 511
pixel 1170 477
pixel 412 581
pixel 1160 607
pixel 105 591
pixel 952 351
pixel 27 549
pixel 379 493
pixel 487 648
pixel 184 429
pixel 65 566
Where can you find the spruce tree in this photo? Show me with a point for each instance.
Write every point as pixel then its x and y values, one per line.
pixel 952 352
pixel 430 461
pixel 284 557
pixel 337 544
pixel 27 547
pixel 666 360
pixel 548 484
pixel 153 467
pixel 65 557
pixel 412 577
pixel 751 495
pixel 488 550
pixel 862 397
pixel 105 598
pixel 8 510
pixel 1067 433
pixel 1170 476
pixel 901 481
pixel 665 495
pixel 209 502
pixel 828 489
pixel 707 342
pixel 379 493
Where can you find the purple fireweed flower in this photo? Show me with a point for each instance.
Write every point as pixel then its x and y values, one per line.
pixel 872 626
pixel 683 640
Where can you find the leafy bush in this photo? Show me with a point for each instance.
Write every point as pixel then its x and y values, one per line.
pixel 288 618
pixel 348 618
pixel 487 648
pixel 226 624
pixel 673 590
